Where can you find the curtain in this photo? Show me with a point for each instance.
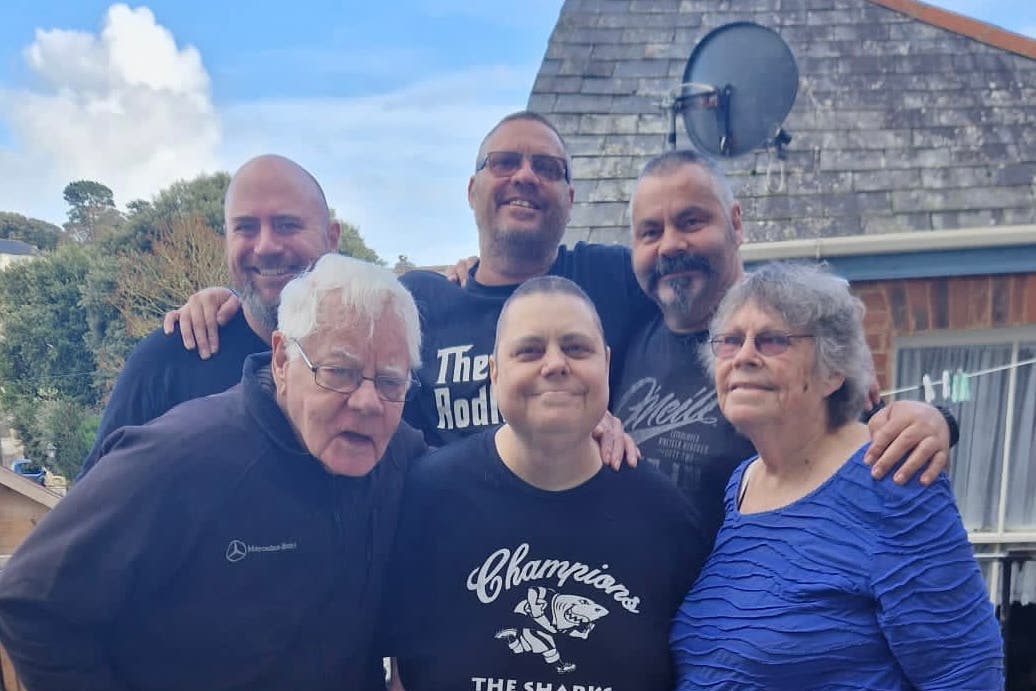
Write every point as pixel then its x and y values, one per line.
pixel 1021 491
pixel 976 461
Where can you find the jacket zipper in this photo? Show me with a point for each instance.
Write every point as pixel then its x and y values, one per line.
pixel 336 499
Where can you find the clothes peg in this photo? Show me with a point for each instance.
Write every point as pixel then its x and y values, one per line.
pixel 964 389
pixel 945 384
pixel 928 388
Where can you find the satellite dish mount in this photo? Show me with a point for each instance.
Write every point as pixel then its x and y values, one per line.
pixel 739 84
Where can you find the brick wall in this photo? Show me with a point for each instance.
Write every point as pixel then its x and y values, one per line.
pixel 915 306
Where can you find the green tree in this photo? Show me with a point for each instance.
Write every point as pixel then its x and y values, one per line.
pixel 91 211
pixel 39 234
pixel 64 433
pixel 43 326
pixel 83 195
pixel 46 369
pixel 120 302
pixel 187 255
pixel 183 201
pixel 106 335
pixel 351 243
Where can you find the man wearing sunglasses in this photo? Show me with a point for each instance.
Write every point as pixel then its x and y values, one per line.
pixel 239 541
pixel 686 231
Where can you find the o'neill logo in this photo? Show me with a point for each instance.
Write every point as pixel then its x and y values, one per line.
pixel 238 550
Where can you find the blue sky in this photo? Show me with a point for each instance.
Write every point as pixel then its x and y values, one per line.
pixel 384 101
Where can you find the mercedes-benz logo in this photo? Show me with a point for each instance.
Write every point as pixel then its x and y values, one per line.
pixel 236 551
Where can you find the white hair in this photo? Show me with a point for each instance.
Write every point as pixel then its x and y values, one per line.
pixel 365 290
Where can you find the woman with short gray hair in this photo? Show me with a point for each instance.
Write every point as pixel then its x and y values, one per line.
pixel 821 577
pixel 810 300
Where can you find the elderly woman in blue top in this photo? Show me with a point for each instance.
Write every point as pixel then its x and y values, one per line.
pixel 821 577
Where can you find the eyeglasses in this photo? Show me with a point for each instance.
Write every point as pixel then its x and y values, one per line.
pixel 504 164
pixel 348 379
pixel 767 343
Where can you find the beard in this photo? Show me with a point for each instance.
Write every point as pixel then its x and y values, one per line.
pixel 524 246
pixel 686 304
pixel 264 314
pixel 262 311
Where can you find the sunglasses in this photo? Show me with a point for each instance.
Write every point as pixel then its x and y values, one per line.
pixel 769 343
pixel 503 164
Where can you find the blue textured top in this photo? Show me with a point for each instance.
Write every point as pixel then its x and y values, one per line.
pixel 858 585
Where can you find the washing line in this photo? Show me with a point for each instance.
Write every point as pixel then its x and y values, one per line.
pixel 969 375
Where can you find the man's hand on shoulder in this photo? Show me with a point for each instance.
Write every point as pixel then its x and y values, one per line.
pixel 616 445
pixel 459 272
pixel 912 430
pixel 200 318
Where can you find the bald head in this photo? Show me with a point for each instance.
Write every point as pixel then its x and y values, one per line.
pixel 280 171
pixel 277 224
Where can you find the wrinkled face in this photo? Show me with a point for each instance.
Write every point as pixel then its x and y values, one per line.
pixel 276 226
pixel 685 244
pixel 348 433
pixel 756 390
pixel 550 370
pixel 520 213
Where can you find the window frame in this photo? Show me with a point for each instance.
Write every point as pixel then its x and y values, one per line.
pixel 1000 538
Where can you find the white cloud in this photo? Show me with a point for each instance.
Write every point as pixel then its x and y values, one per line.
pixel 395 164
pixel 125 107
pixel 129 108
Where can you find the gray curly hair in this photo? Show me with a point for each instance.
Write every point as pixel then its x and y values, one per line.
pixel 810 299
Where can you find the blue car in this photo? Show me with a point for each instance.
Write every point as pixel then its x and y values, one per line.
pixel 28 470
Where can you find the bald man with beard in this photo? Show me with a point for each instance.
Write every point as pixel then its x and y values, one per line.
pixel 277 224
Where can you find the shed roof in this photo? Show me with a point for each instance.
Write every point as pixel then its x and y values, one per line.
pixel 28 488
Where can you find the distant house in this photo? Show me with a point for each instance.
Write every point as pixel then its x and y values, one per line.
pixel 22 504
pixel 12 251
pixel 912 170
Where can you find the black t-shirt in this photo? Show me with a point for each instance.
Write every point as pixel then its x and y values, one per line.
pixel 160 374
pixel 458 326
pixel 498 585
pixel 667 403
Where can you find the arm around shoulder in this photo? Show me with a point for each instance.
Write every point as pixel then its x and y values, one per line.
pixel 933 606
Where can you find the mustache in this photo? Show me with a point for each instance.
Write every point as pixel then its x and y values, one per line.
pixel 676 264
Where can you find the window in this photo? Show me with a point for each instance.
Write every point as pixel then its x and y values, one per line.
pixel 993 467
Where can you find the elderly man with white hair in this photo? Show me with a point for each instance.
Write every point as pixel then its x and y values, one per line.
pixel 238 541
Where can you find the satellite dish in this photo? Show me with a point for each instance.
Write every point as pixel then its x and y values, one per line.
pixel 739 85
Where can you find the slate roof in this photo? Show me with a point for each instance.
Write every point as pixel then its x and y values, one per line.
pixel 16 247
pixel 908 118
